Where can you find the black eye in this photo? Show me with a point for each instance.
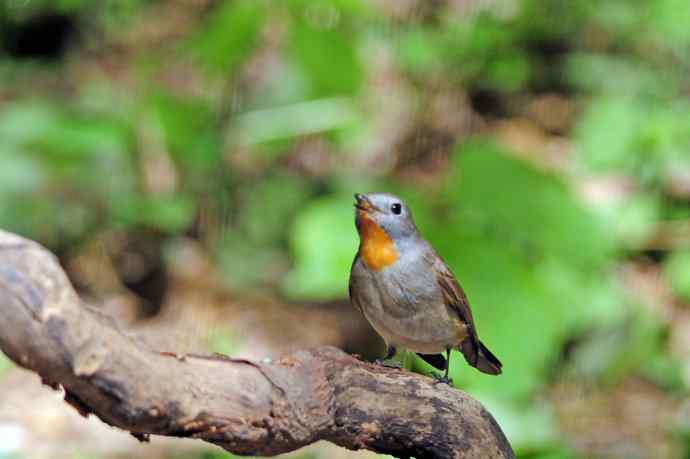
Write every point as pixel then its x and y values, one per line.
pixel 396 208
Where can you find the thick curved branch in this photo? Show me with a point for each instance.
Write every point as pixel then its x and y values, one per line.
pixel 246 407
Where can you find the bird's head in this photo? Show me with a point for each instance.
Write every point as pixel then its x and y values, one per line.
pixel 385 212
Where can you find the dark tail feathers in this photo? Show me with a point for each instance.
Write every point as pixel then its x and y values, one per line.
pixel 480 357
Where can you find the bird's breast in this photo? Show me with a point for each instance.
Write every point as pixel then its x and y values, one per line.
pixel 406 307
pixel 376 248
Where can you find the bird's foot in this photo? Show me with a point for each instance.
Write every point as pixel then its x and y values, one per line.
pixel 388 363
pixel 441 378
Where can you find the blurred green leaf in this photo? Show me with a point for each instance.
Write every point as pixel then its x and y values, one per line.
pixel 525 429
pixel 223 341
pixel 327 55
pixel 670 19
pixel 484 53
pixel 633 135
pixel 421 50
pixel 525 250
pixel 323 243
pixel 20 173
pixel 268 206
pixel 509 72
pixel 190 130
pixel 294 120
pixel 666 371
pixel 611 353
pixel 624 19
pixel 230 34
pixel 61 134
pixel 5 363
pixel 677 271
pixel 592 72
pixel 607 133
pixel 551 451
pixel 171 213
pixel 23 121
pixel 633 220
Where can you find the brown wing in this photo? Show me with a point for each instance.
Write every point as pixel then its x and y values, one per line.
pixel 453 294
pixel 474 350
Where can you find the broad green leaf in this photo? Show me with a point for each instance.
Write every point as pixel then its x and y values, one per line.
pixel 327 58
pixel 677 272
pixel 294 120
pixel 324 243
pixel 171 213
pixel 189 127
pixel 230 35
pixel 527 253
pixel 670 19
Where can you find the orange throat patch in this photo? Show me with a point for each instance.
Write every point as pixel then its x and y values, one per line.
pixel 376 248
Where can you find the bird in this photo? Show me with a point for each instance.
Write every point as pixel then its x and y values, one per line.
pixel 407 292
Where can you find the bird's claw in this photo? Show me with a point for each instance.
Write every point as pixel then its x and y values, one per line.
pixel 389 363
pixel 440 378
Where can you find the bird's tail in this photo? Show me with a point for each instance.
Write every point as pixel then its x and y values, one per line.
pixel 480 357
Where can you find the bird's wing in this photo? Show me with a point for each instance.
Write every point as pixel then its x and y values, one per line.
pixel 353 280
pixel 474 351
pixel 453 295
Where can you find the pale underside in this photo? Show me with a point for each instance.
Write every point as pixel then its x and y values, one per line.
pixel 405 305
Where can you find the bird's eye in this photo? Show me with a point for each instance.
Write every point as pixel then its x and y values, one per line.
pixel 396 208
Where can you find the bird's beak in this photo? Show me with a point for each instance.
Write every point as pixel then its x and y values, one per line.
pixel 364 204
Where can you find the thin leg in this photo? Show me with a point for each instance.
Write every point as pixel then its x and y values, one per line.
pixel 444 378
pixel 390 353
pixel 386 361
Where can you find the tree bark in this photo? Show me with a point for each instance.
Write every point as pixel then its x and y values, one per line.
pixel 246 407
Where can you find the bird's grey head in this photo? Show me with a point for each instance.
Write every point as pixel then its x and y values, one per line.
pixel 388 211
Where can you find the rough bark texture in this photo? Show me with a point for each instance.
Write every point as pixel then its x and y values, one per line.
pixel 246 407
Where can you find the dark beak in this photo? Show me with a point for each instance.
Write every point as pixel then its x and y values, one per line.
pixel 363 203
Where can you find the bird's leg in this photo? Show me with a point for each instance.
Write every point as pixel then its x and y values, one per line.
pixel 445 376
pixel 390 352
pixel 445 379
pixel 387 361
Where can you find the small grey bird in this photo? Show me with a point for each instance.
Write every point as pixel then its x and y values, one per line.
pixel 407 292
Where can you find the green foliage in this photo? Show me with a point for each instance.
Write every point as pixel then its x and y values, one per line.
pixel 324 244
pixel 532 429
pixel 522 246
pixel 669 19
pixel 554 452
pixel 294 120
pixel 633 135
pixel 48 147
pixel 189 130
pixel 327 58
pixel 525 250
pixel 223 341
pixel 172 213
pixel 5 363
pixel 496 61
pixel 482 53
pixel 230 34
pixel 634 344
pixel 251 253
pixel 677 271
pixel 228 104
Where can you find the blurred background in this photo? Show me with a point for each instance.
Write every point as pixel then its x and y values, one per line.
pixel 192 164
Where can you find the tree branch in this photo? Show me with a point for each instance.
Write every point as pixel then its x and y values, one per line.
pixel 246 407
